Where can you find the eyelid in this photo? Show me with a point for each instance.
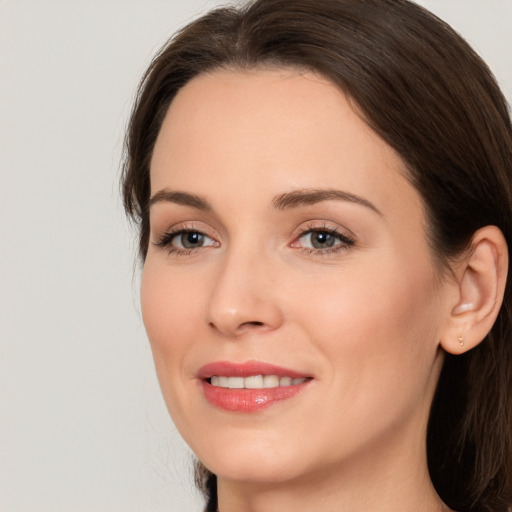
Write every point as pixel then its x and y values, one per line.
pixel 344 235
pixel 170 236
pixel 323 225
pixel 163 240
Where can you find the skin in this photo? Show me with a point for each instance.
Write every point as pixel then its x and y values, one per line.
pixel 364 320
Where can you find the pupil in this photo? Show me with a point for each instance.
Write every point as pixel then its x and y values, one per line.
pixel 321 240
pixel 191 240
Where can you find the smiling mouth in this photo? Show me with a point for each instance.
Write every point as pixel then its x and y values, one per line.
pixel 255 381
pixel 249 387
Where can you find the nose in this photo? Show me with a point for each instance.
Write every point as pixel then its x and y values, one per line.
pixel 244 295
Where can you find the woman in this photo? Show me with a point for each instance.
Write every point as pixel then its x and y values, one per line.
pixel 323 191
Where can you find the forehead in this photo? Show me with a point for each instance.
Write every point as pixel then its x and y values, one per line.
pixel 275 129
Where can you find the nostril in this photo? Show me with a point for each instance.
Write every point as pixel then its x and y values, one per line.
pixel 247 326
pixel 239 329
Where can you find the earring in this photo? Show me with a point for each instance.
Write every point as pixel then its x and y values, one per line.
pixel 461 341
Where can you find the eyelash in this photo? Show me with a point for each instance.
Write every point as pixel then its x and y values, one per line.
pixel 166 239
pixel 346 242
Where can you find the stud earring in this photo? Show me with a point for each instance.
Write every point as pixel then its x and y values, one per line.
pixel 461 341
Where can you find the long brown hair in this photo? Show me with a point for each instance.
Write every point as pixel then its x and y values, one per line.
pixel 421 87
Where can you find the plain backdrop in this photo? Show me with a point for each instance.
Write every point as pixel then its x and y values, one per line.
pixel 82 423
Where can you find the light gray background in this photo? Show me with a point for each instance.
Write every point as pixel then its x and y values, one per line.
pixel 82 423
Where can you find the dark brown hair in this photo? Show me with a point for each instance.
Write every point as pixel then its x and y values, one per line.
pixel 420 86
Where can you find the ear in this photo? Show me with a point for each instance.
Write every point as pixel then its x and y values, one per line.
pixel 480 278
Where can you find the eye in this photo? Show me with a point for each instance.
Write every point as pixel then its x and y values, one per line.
pixel 185 240
pixel 191 240
pixel 319 240
pixel 322 240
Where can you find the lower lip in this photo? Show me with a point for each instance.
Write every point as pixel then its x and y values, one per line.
pixel 248 400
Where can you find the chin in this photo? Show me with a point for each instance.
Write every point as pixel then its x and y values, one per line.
pixel 252 461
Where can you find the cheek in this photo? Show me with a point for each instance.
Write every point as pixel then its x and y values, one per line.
pixel 169 304
pixel 169 311
pixel 378 327
pixel 372 298
pixel 377 340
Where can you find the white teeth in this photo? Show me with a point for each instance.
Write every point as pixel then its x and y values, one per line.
pixel 271 381
pixel 254 381
pixel 285 381
pixel 236 382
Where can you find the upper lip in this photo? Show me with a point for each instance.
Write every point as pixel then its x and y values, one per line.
pixel 229 369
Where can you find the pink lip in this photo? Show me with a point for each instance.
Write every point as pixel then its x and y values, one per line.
pixel 246 369
pixel 247 400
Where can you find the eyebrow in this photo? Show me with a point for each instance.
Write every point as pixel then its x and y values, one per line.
pixel 182 198
pixel 306 197
pixel 294 199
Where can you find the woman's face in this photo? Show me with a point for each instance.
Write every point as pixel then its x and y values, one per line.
pixel 286 243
